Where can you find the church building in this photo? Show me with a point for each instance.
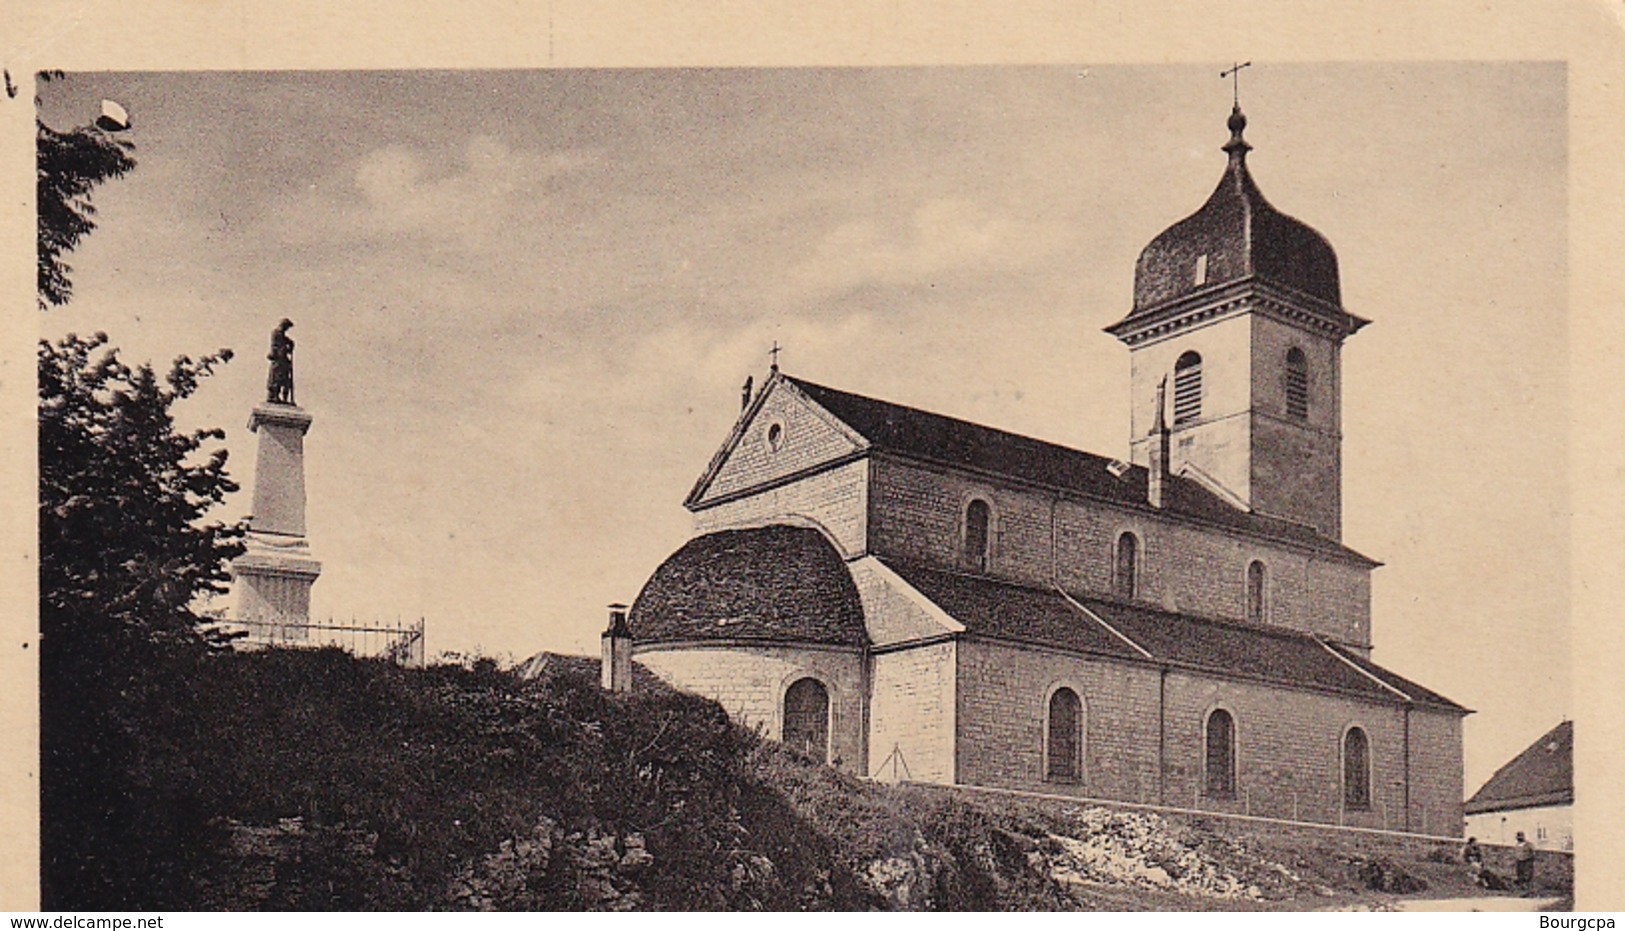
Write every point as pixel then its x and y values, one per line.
pixel 912 596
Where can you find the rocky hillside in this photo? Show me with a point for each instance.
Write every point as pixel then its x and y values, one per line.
pixel 319 781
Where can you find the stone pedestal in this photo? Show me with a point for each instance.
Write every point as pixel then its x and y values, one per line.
pixel 273 578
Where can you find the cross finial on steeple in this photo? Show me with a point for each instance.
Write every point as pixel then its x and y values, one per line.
pixel 1237 147
pixel 1234 74
pixel 774 352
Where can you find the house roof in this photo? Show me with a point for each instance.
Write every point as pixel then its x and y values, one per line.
pixel 777 583
pixel 911 432
pixel 1235 235
pixel 1030 614
pixel 1541 775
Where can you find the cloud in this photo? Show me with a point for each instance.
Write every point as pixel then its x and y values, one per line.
pixel 942 238
pixel 395 191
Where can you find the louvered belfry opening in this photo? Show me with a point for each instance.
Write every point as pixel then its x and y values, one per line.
pixel 806 718
pixel 1065 736
pixel 1297 384
pixel 1187 388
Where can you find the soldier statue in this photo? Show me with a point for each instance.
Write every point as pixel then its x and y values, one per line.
pixel 279 386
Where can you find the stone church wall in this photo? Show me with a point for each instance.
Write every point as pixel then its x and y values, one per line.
pixel 806 438
pixel 835 500
pixel 912 714
pixel 916 514
pixel 1436 750
pixel 749 682
pixel 1003 691
pixel 1288 742
pixel 1289 751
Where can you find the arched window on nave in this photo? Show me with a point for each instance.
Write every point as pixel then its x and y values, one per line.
pixel 1064 742
pixel 1256 591
pixel 1219 746
pixel 1356 769
pixel 1125 565
pixel 978 517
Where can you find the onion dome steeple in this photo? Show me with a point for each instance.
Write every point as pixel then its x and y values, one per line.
pixel 1235 236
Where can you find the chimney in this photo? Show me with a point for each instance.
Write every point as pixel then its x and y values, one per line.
pixel 1156 485
pixel 616 673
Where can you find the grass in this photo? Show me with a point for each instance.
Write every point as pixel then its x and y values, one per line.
pixel 330 782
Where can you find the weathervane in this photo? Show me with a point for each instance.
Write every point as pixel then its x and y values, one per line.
pixel 1234 74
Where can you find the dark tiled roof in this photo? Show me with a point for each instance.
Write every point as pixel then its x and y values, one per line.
pixel 1242 236
pixel 1028 614
pixel 776 583
pixel 950 441
pixel 1541 775
pixel 1275 654
pixel 1423 695
pixel 1003 609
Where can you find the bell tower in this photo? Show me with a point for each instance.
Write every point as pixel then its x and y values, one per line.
pixel 1239 308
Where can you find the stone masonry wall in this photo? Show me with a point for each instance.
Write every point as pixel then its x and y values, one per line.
pixel 749 683
pixel 916 514
pixel 1436 802
pixel 912 714
pixel 834 500
pixel 1296 464
pixel 806 437
pixel 1003 691
pixel 1288 742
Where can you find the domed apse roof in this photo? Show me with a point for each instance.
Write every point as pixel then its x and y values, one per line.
pixel 775 583
pixel 1241 235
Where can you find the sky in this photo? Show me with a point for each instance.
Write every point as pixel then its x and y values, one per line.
pixel 524 303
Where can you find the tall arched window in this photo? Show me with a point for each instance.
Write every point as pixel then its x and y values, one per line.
pixel 806 718
pixel 1255 592
pixel 1297 384
pixel 1356 769
pixel 1064 742
pixel 1221 755
pixel 977 517
pixel 1124 565
pixel 1187 388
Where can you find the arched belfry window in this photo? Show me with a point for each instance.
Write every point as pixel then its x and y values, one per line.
pixel 1187 388
pixel 978 517
pixel 1064 740
pixel 1219 747
pixel 1356 769
pixel 1256 583
pixel 1297 384
pixel 1124 566
pixel 806 718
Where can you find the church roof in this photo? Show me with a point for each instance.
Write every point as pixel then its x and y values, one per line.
pixel 1047 617
pixel 949 441
pixel 778 583
pixel 1235 235
pixel 1541 775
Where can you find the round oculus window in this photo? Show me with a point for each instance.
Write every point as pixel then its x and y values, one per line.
pixel 775 437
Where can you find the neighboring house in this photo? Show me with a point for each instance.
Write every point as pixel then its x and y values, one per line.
pixel 912 596
pixel 1534 794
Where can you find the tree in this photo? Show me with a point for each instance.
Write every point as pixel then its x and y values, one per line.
pixel 68 166
pixel 126 553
